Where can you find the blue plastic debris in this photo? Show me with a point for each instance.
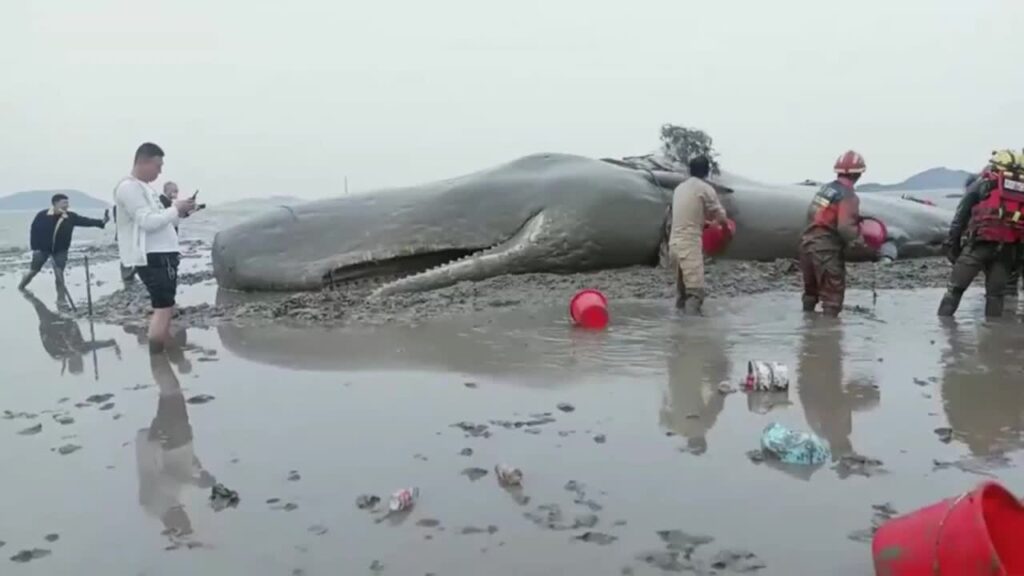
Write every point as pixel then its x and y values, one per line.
pixel 793 447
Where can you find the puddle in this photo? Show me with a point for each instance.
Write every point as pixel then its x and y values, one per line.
pixel 649 464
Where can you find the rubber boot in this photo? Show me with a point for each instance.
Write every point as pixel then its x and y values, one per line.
pixel 695 301
pixel 809 303
pixel 950 302
pixel 680 290
pixel 993 306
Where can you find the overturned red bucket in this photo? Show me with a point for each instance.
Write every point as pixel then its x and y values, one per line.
pixel 589 309
pixel 976 533
pixel 715 238
pixel 874 232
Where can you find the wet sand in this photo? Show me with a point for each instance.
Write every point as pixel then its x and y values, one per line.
pixel 204 305
pixel 305 419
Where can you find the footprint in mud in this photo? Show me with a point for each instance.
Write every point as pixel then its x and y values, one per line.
pixel 471 530
pixel 736 560
pixel 428 523
pixel 30 555
pixel 8 415
pixel 945 435
pixel 200 399
pixel 599 538
pixel 317 529
pixel 68 449
pixel 294 476
pixel 683 541
pixel 51 537
pixel 31 430
pixel 99 398
pixel 474 474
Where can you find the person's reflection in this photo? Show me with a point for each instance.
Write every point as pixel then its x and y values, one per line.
pixel 697 363
pixel 981 386
pixel 828 404
pixel 165 456
pixel 62 338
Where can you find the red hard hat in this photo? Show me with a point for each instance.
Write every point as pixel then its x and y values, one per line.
pixel 850 162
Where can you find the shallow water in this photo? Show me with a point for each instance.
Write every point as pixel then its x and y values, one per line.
pixel 369 410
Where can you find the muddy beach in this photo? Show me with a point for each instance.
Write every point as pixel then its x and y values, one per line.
pixel 635 458
pixel 349 304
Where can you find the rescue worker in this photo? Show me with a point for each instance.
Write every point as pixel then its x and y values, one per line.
pixel 694 202
pixel 833 219
pixel 990 214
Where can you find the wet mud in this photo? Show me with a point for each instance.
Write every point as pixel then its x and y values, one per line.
pixel 349 303
pixel 632 443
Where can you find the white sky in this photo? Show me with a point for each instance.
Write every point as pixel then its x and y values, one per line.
pixel 261 97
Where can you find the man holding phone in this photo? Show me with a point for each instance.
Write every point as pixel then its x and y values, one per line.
pixel 148 238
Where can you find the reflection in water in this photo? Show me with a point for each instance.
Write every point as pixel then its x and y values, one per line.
pixel 828 403
pixel 62 339
pixel 164 452
pixel 697 363
pixel 982 387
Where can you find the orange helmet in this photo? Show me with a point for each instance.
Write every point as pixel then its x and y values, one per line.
pixel 850 162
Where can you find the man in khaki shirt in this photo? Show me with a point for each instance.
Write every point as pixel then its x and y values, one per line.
pixel 693 203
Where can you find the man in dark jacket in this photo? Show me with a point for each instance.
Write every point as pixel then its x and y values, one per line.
pixel 50 237
pixel 971 249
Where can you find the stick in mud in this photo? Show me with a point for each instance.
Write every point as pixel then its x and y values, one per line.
pixel 88 285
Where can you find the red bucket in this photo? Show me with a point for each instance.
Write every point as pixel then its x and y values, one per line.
pixel 976 533
pixel 873 231
pixel 716 238
pixel 589 309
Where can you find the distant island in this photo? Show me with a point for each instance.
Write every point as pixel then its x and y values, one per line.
pixel 931 179
pixel 40 199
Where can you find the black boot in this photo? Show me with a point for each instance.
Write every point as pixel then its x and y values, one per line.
pixel 950 302
pixel 680 290
pixel 809 303
pixel 993 306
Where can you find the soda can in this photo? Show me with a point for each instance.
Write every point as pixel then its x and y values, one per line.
pixel 766 376
pixel 403 499
pixel 508 475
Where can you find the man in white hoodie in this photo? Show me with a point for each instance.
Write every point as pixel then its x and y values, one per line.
pixel 146 236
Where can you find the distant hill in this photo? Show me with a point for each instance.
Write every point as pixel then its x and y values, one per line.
pixel 40 199
pixel 931 179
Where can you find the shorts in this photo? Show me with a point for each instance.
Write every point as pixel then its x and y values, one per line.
pixel 39 258
pixel 160 275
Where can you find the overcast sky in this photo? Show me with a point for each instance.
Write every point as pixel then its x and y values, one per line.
pixel 256 98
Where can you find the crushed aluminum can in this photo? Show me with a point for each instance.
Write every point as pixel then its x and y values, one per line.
pixel 766 376
pixel 403 499
pixel 508 475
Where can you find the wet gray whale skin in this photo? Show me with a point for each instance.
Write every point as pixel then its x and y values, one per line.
pixel 538 213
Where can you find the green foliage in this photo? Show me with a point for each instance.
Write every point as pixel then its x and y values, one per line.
pixel 682 144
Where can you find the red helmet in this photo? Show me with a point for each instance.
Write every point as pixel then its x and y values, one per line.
pixel 850 162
